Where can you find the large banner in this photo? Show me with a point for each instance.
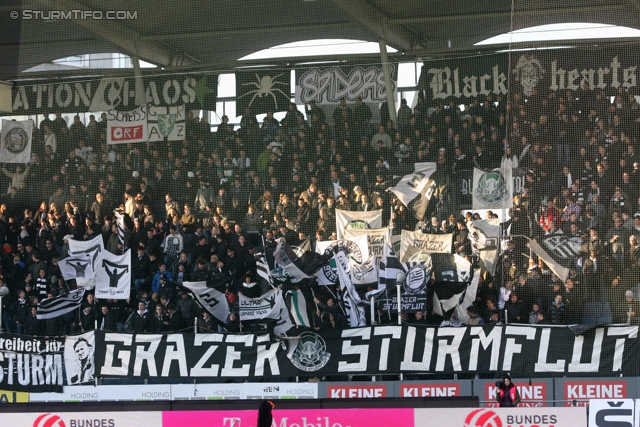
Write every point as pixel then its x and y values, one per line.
pixel 125 127
pixel 31 364
pixel 528 350
pixel 92 95
pixel 461 79
pixel 15 141
pixel 347 220
pixel 412 243
pixel 330 85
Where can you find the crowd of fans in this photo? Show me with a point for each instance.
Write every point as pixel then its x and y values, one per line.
pixel 197 209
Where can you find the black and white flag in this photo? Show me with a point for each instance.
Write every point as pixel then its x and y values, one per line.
pixel 410 186
pixel 492 189
pixel 15 144
pixel 304 266
pixel 80 268
pixel 62 304
pixel 113 278
pixel 213 301
pixel 120 224
pixel 561 271
pixel 79 358
pixel 94 248
pixel 256 308
pixel 263 91
pixel 281 314
pixel 263 269
pixel 350 297
pixel 390 270
pixel 353 220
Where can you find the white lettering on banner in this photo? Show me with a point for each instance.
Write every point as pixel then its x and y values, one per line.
pixel 562 79
pixel 442 87
pixel 429 390
pixel 109 93
pixel 493 339
pixel 331 84
pixel 512 348
pixel 350 392
pixel 584 390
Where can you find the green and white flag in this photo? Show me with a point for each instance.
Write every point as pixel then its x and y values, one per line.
pixel 492 189
pixel 167 122
pixel 298 308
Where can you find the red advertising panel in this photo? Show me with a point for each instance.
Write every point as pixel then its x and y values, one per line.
pixel 356 391
pixel 531 396
pixel 429 390
pixel 578 393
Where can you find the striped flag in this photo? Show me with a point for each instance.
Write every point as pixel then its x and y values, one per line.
pixel 263 269
pixel 560 270
pixel 350 297
pixel 298 308
pixel 62 304
pixel 120 225
pixel 390 269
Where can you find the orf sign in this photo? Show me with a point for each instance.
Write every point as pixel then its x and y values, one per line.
pixel 127 133
pixel 611 413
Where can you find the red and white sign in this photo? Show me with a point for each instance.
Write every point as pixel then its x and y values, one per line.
pixel 430 390
pixel 77 419
pixel 582 391
pixel 128 126
pixel 356 391
pixel 500 417
pixel 531 396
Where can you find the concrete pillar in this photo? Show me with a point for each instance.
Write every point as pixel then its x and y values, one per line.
pixel 388 82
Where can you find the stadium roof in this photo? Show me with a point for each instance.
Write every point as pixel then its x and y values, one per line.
pixel 213 35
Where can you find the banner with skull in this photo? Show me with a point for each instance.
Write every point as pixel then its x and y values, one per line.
pixel 492 189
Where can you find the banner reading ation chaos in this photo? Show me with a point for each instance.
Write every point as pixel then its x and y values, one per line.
pixel 390 348
pixel 330 85
pixel 32 364
pixel 114 93
pixel 564 69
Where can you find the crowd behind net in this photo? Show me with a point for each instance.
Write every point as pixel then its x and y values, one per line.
pixel 564 120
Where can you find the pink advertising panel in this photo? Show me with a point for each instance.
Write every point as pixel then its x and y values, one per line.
pixel 292 418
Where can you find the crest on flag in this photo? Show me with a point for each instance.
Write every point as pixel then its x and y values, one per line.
pixel 352 220
pixel 492 189
pixel 16 141
pixel 166 123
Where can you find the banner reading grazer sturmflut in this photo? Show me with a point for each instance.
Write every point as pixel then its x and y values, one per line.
pixel 330 85
pixel 529 350
pixel 32 364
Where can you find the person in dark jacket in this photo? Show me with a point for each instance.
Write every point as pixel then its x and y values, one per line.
pixel 33 325
pixel 515 309
pixel 507 394
pixel 557 312
pixel 20 310
pixel 140 320
pixel 107 320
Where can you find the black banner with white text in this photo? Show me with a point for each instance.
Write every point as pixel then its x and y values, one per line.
pixel 31 364
pixel 530 351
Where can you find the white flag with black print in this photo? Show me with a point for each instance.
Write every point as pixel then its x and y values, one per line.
pixel 120 225
pixel 492 189
pixel 353 220
pixel 256 308
pixel 281 314
pixel 15 144
pixel 78 267
pixel 79 359
pixel 410 186
pixel 561 271
pixel 94 248
pixel 127 127
pixel 113 278
pixel 215 302
pixel 262 267
pixel 62 304
pixel 350 297
pixel 357 249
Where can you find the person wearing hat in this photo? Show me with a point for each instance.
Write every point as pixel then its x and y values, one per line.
pixel 507 394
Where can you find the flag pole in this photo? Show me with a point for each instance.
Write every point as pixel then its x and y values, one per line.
pixel 373 311
pixel 336 298
pixel 399 288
